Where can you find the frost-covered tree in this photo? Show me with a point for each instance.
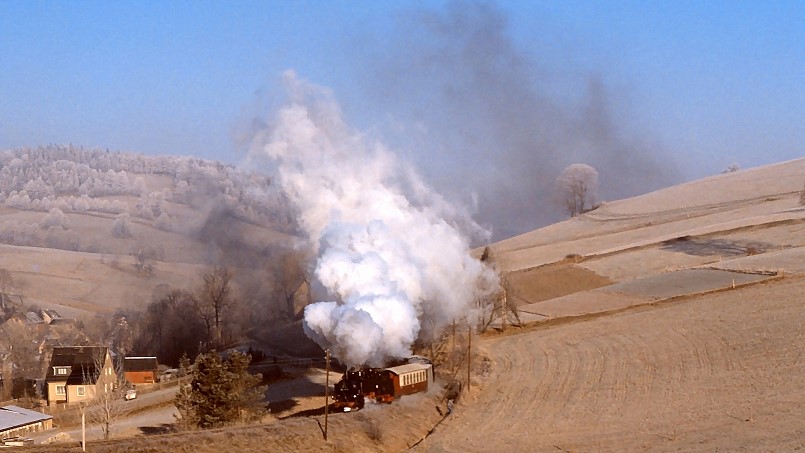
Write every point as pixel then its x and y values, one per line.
pixel 121 227
pixel 577 188
pixel 139 185
pixel 18 200
pixel 181 193
pixel 164 222
pixel 52 176
pixel 55 218
pixel 38 188
pixel 81 204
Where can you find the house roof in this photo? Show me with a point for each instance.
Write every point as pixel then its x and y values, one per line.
pixel 80 359
pixel 33 318
pixel 140 364
pixel 28 318
pixel 85 373
pixel 14 417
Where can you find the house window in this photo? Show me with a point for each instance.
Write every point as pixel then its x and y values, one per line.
pixel 60 390
pixel 60 370
pixel 80 390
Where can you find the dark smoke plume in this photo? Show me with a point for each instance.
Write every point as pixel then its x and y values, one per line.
pixel 484 120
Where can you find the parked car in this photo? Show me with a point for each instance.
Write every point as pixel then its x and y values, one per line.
pixel 130 394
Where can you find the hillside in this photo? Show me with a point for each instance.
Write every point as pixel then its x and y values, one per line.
pixel 666 322
pixel 701 223
pixel 92 231
pixel 764 196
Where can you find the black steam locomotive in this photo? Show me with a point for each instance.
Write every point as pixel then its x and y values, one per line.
pixel 383 385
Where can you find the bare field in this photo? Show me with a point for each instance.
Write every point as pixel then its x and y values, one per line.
pixel 641 291
pixel 684 282
pixel 724 371
pixel 643 262
pixel 582 303
pixel 644 234
pixel 78 283
pixel 789 261
pixel 552 281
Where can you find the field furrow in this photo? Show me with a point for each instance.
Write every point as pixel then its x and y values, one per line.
pixel 720 371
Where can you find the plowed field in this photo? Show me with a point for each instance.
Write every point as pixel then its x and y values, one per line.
pixel 723 371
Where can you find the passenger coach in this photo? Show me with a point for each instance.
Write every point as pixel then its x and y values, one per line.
pixel 410 378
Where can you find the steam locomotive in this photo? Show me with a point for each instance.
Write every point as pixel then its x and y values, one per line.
pixel 383 385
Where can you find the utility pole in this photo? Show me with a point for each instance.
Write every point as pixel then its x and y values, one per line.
pixel 83 430
pixel 326 389
pixel 504 310
pixel 453 358
pixel 469 355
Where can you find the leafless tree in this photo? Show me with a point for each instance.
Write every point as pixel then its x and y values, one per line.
pixel 170 327
pixel 145 259
pixel 24 361
pixel 6 285
pixel 23 341
pixel 577 188
pixel 109 384
pixel 121 335
pixel 289 274
pixel 497 306
pixel 732 168
pixel 214 298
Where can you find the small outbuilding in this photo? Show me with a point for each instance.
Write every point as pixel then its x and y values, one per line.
pixel 16 421
pixel 141 370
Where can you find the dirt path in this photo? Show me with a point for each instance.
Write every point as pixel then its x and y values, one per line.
pixel 720 372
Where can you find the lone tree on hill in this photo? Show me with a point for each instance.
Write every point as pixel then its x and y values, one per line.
pixel 731 169
pixel 577 187
pixel 221 392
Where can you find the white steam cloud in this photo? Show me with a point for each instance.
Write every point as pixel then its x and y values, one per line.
pixel 390 251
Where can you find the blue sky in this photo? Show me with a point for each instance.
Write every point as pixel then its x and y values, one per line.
pixel 708 83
